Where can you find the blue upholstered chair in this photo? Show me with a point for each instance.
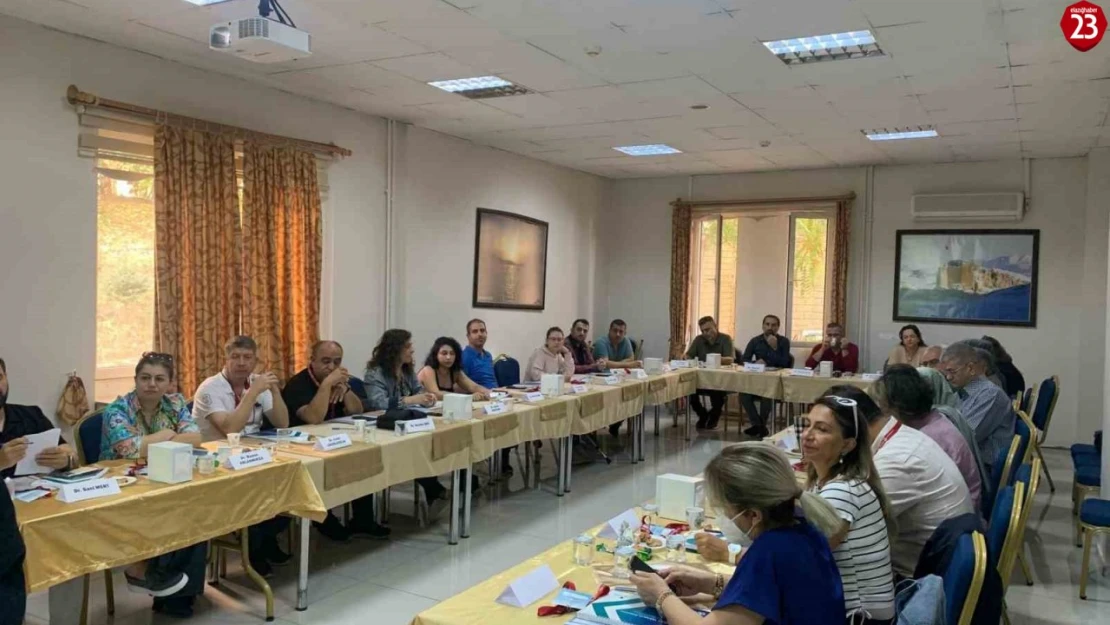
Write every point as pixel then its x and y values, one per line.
pixel 1028 475
pixel 963 579
pixel 1087 483
pixel 1001 468
pixel 1004 536
pixel 1094 518
pixel 507 371
pixel 1043 408
pixel 88 432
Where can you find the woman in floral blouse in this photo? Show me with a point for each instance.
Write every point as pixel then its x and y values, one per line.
pixel 145 416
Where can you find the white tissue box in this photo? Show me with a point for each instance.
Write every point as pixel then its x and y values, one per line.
pixel 551 384
pixel 674 493
pixel 458 407
pixel 169 463
pixel 653 366
pixel 712 361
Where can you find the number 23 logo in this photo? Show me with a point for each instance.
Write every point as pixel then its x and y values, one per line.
pixel 1083 25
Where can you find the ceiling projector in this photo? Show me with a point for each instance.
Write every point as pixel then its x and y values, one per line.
pixel 261 39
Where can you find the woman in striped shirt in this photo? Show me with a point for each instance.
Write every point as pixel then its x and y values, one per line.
pixel 841 469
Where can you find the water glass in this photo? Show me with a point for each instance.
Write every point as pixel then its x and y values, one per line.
pixel 695 518
pixel 223 454
pixel 651 515
pixel 270 446
pixel 622 562
pixel 360 430
pixel 233 438
pixel 584 550
pixel 206 465
pixel 285 435
pixel 676 548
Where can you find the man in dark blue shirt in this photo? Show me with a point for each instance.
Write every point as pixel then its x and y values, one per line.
pixel 772 350
pixel 477 364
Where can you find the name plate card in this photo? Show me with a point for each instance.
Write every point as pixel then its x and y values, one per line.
pixel 578 389
pixel 534 397
pixel 92 489
pixel 248 459
pixel 639 374
pixel 414 426
pixel 870 377
pixel 802 373
pixel 611 380
pixel 529 588
pixel 666 368
pixel 495 407
pixel 755 367
pixel 335 441
pixel 680 364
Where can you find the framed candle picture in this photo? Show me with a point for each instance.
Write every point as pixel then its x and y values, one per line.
pixel 969 277
pixel 510 261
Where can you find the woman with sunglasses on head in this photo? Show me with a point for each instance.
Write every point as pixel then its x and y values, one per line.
pixel 147 415
pixel 841 469
pixel 786 576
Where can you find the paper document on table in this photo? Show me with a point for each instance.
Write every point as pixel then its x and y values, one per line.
pixel 36 444
pixel 529 588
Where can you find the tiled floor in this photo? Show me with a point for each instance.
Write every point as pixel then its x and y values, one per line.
pixel 387 583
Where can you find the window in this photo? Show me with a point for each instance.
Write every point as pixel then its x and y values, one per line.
pixel 762 261
pixel 124 273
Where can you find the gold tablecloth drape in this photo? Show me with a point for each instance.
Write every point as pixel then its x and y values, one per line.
pixel 767 384
pixel 618 403
pixel 147 519
pixel 665 388
pixel 804 390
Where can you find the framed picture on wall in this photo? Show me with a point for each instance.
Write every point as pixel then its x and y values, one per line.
pixel 970 277
pixel 510 261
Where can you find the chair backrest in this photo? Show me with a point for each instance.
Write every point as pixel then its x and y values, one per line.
pixel 1046 402
pixel 1026 397
pixel 638 349
pixel 507 371
pixel 88 429
pixel 963 579
pixel 1014 536
pixel 1029 477
pixel 1026 431
pixel 1011 463
pixel 1003 522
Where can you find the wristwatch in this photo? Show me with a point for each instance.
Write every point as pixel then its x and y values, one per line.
pixel 734 553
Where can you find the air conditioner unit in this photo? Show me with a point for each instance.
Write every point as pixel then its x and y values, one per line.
pixel 260 40
pixel 968 207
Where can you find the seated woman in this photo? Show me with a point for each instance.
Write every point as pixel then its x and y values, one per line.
pixel 787 575
pixel 909 349
pixel 391 384
pixel 151 414
pixel 553 357
pixel 837 449
pixel 442 371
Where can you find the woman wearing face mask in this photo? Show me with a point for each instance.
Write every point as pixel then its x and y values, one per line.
pixel 786 576
pixel 837 449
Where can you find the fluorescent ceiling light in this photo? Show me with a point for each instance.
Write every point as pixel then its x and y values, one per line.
pixel 204 3
pixel 480 87
pixel 648 150
pixel 891 134
pixel 832 47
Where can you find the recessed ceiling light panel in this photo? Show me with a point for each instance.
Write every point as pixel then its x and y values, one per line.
pixel 204 3
pixel 832 47
pixel 647 150
pixel 893 134
pixel 480 87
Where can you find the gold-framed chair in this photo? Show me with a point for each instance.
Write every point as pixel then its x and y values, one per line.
pixel 1094 518
pixel 957 573
pixel 1010 544
pixel 217 564
pixel 87 432
pixel 1030 476
pixel 1050 384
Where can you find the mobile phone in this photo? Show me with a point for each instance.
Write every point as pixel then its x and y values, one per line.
pixel 638 565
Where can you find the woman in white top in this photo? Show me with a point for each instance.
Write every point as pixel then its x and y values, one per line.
pixel 840 468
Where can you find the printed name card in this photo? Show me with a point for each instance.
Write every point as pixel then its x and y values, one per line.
pixel 495 407
pixel 578 389
pixel 248 459
pixel 870 377
pixel 639 374
pixel 414 426
pixel 802 373
pixel 335 441
pixel 611 380
pixel 529 588
pixel 755 367
pixel 612 527
pixel 680 364
pixel 534 397
pixel 92 489
pixel 666 368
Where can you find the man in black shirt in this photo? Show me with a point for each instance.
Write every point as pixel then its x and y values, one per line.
pixel 18 421
pixel 772 350
pixel 13 588
pixel 319 393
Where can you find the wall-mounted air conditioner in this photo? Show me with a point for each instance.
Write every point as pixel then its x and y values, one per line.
pixel 968 207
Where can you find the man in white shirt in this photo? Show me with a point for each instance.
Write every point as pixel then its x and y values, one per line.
pixel 923 485
pixel 235 400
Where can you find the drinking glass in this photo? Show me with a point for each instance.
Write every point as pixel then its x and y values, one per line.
pixel 695 518
pixel 584 550
pixel 621 562
pixel 206 465
pixel 233 438
pixel 285 435
pixel 651 515
pixel 676 548
pixel 270 446
pixel 223 454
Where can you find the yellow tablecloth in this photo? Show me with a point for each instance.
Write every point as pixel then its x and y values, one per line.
pixel 549 419
pixel 604 405
pixel 147 519
pixel 477 606
pixel 767 384
pixel 805 390
pixel 665 388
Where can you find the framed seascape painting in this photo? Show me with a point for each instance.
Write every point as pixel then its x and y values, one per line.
pixel 510 261
pixel 971 277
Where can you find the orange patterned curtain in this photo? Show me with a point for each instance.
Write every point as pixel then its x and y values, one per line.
pixel 197 253
pixel 282 252
pixel 838 310
pixel 680 277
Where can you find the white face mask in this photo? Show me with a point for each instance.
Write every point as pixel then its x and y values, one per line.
pixel 733 533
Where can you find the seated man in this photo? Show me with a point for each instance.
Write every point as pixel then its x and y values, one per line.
pixel 13 585
pixel 616 351
pixel 17 422
pixel 582 350
pixel 477 364
pixel 922 483
pixel 710 341
pixel 773 350
pixel 836 348
pixel 316 394
pixel 931 356
pixel 985 406
pixel 237 401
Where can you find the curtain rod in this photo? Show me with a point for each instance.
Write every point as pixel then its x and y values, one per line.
pixel 77 97
pixel 765 202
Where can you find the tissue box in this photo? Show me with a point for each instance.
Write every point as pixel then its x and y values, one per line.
pixel 551 385
pixel 169 463
pixel 712 361
pixel 458 407
pixel 674 493
pixel 653 366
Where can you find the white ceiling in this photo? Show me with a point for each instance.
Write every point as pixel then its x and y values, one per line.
pixel 996 77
